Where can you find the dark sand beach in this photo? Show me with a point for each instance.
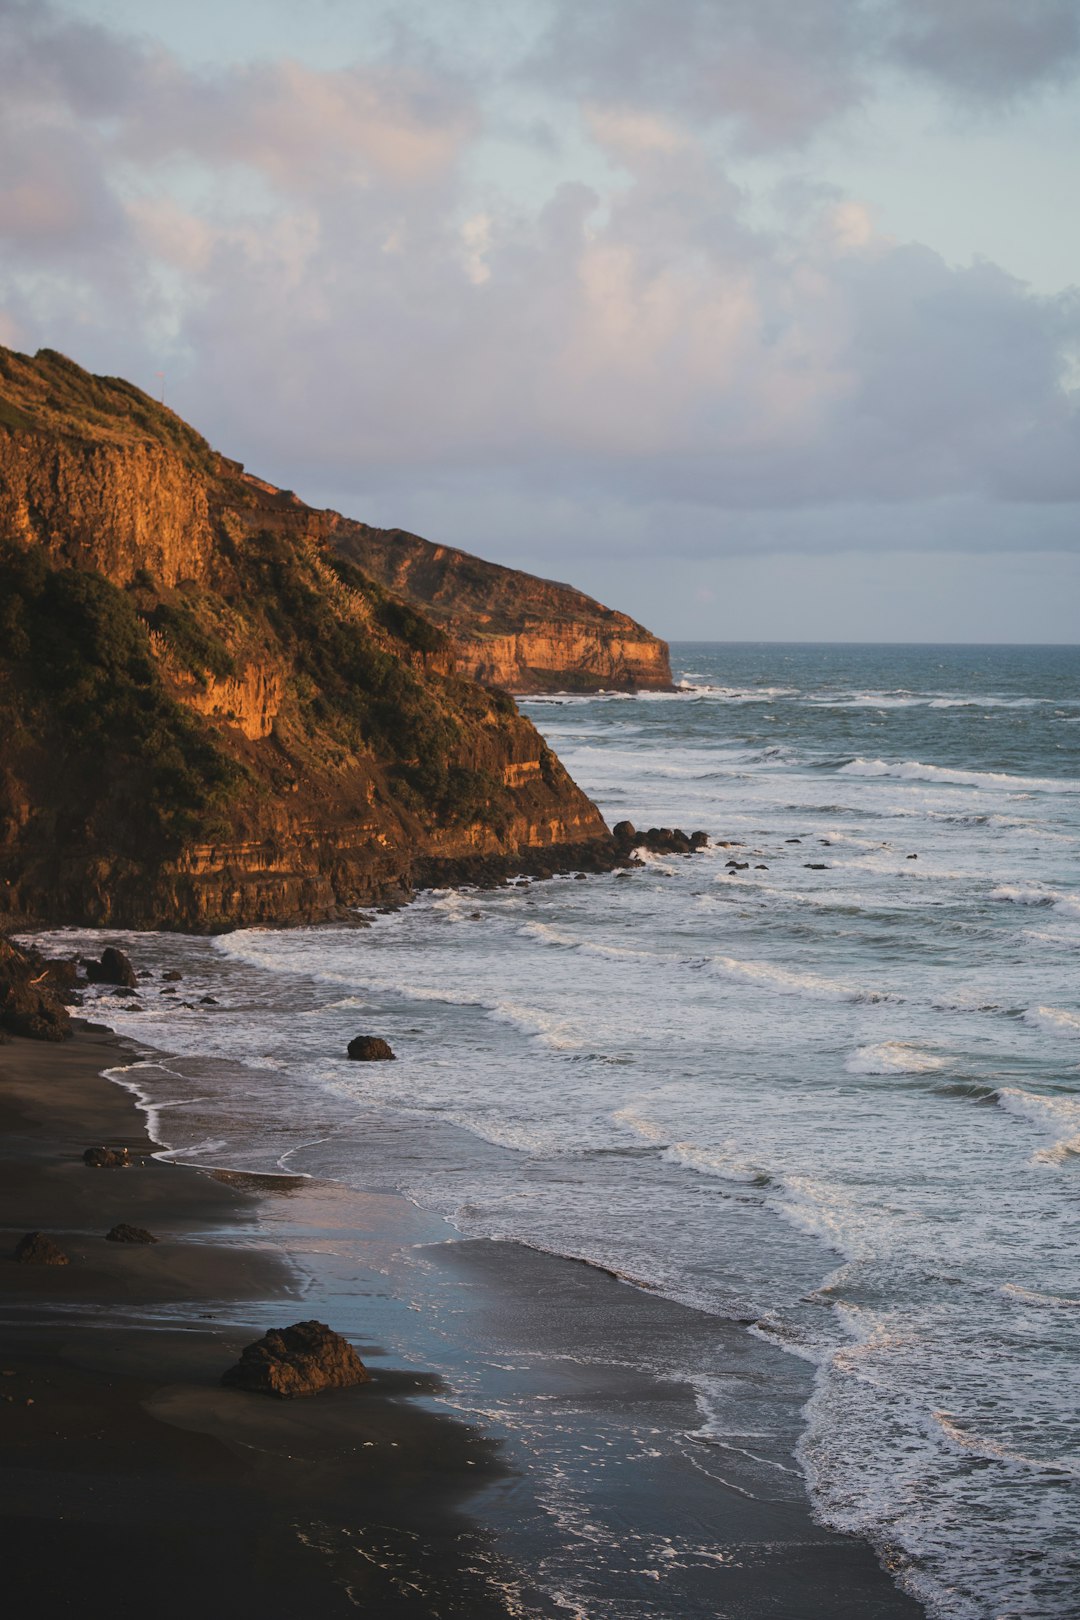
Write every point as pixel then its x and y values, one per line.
pixel 130 1479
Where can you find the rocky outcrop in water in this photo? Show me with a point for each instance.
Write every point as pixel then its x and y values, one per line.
pixel 369 1049
pixel 658 840
pixel 113 968
pixel 212 717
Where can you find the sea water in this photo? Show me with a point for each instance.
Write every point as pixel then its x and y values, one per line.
pixel 823 1078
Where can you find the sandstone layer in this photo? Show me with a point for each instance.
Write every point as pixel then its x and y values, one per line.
pixel 509 628
pixel 211 716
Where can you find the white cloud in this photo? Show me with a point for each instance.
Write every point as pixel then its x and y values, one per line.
pixel 351 313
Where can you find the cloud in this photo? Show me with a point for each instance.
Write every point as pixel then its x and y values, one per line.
pixel 772 73
pixel 990 50
pixel 337 301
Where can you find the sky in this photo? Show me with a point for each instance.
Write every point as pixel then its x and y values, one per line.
pixel 758 319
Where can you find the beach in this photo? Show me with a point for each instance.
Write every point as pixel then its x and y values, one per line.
pixel 125 1464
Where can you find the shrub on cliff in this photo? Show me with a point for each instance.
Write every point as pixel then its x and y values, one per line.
pixel 74 649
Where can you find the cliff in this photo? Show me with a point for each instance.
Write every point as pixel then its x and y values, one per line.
pixel 508 628
pixel 211 716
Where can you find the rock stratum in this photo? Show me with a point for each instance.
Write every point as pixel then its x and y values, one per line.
pixel 212 716
pixel 507 628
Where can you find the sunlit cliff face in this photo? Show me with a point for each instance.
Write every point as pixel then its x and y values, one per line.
pixel 212 718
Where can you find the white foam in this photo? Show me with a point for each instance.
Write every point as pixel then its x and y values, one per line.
pixel 1054 1019
pixel 790 981
pixel 891 1057
pixel 1023 894
pixel 994 1450
pixel 1031 1296
pixel 912 770
pixel 1059 1117
pixel 724 1160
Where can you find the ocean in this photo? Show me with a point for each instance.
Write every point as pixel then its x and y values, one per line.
pixel 822 1080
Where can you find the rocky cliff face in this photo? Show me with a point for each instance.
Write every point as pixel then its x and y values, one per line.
pixel 211 717
pixel 509 629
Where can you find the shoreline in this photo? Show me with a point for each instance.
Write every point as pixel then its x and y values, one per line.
pixel 530 1347
pixel 121 1452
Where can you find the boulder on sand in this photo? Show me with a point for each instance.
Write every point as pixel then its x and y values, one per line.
pixel 108 1158
pixel 114 968
pixel 38 1249
pixel 297 1360
pixel 369 1049
pixel 130 1234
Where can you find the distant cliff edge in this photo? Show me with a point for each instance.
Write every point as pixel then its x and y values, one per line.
pixel 508 628
pixel 211 715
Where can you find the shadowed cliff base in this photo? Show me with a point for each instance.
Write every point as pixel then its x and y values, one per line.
pixel 212 717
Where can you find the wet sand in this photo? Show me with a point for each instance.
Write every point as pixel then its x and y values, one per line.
pixel 130 1481
pixel 135 1481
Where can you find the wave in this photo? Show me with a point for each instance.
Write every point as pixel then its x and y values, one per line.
pixel 1031 1296
pixel 1023 894
pixel 548 934
pixel 913 770
pixel 891 1057
pixel 1059 1116
pixel 1054 1019
pixel 992 1450
pixel 738 694
pixel 769 975
pixel 723 1161
pixel 790 982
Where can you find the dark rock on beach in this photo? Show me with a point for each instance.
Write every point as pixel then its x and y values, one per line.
pixel 108 1158
pixel 38 1249
pixel 369 1049
pixel 297 1360
pixel 815 866
pixel 172 977
pixel 113 968
pixel 30 994
pixel 123 1233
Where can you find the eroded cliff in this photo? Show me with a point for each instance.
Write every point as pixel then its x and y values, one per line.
pixel 508 628
pixel 209 715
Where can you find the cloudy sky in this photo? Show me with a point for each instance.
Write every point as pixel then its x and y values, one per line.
pixel 757 318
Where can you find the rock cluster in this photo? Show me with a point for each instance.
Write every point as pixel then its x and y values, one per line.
pixel 658 840
pixel 297 1360
pixel 369 1049
pixel 38 1249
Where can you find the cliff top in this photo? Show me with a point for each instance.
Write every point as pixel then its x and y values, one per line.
pixel 48 393
pixel 564 637
pixel 455 586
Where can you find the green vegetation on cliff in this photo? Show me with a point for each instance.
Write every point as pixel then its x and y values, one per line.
pixel 79 687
